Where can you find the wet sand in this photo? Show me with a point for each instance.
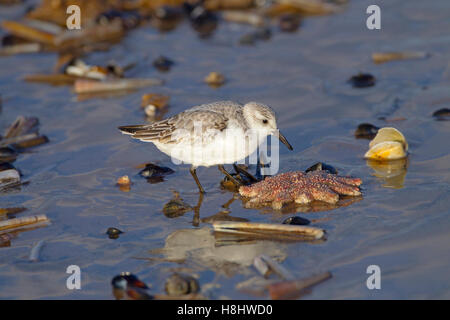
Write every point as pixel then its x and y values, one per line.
pixel 401 226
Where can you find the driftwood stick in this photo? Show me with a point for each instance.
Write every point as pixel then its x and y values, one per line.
pixel 90 86
pixel 20 222
pixel 267 228
pixel 294 288
pixel 276 267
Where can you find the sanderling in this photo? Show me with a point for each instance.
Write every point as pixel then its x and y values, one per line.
pixel 216 133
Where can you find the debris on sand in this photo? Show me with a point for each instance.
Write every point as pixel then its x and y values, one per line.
pixel 250 18
pixel 382 57
pixel 92 86
pixel 293 289
pixel 10 225
pixel 23 133
pixel 265 265
pixel 36 251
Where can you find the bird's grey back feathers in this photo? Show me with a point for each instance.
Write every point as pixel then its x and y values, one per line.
pixel 212 116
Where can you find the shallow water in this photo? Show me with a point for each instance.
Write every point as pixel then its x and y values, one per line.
pixel 401 226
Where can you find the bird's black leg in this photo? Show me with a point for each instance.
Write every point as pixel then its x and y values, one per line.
pixel 194 175
pixel 259 167
pixel 232 179
pixel 196 218
pixel 239 169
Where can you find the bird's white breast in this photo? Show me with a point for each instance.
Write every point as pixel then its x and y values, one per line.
pixel 226 147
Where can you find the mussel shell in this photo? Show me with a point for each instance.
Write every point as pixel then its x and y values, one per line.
pixel 322 166
pixel 442 114
pixel 362 80
pixel 154 173
pixel 113 233
pixel 296 220
pixel 366 131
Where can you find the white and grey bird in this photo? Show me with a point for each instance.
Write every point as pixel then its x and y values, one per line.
pixel 217 133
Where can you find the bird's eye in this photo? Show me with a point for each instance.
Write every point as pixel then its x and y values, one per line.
pixel 265 121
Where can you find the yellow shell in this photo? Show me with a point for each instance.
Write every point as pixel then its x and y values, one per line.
pixel 387 150
pixel 389 134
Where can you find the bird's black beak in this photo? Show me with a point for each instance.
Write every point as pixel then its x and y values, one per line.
pixel 278 134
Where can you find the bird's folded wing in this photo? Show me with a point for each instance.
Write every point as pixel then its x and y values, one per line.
pixel 198 126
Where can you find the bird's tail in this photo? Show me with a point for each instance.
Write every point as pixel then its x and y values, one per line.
pixel 130 130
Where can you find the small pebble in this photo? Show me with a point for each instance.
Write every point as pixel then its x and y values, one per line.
pixel 150 111
pixel 179 285
pixel 297 221
pixel 215 79
pixel 113 233
pixel 366 131
pixel 124 183
pixel 362 80
pixel 163 64
pixel 176 208
pixel 5 240
pixel 442 114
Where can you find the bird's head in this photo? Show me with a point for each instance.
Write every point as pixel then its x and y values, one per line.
pixel 262 118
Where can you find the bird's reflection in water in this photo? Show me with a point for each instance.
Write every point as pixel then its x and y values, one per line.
pixel 224 215
pixel 198 249
pixel 393 172
pixel 176 207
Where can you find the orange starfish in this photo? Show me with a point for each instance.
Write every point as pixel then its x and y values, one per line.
pixel 300 187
